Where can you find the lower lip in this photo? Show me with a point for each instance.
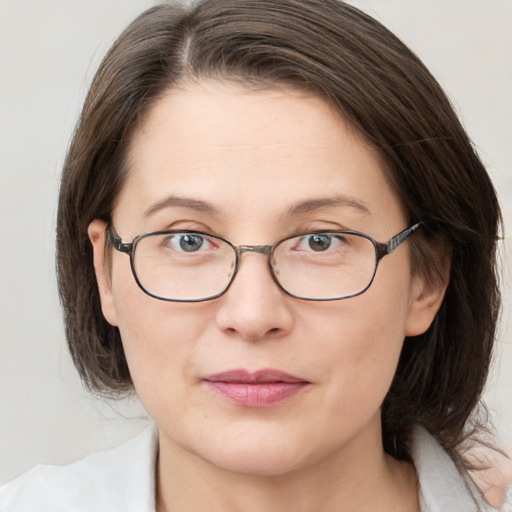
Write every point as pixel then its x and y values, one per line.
pixel 256 394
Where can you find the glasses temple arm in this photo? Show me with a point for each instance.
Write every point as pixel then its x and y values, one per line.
pixel 117 242
pixel 401 237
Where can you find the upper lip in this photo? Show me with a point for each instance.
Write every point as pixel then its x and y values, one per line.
pixel 257 377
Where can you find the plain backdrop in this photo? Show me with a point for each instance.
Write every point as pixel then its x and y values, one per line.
pixel 49 51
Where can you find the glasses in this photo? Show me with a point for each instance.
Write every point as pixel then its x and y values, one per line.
pixel 192 266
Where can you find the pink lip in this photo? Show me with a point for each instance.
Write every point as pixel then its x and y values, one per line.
pixel 259 389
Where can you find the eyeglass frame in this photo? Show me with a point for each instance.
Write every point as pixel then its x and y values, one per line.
pixel 381 249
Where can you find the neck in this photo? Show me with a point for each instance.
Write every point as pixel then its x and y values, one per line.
pixel 358 477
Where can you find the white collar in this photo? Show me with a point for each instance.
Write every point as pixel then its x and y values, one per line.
pixel 442 487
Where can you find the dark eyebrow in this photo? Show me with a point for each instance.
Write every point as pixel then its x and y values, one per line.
pixel 182 202
pixel 325 202
pixel 296 209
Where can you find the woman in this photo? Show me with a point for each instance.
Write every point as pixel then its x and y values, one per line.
pixel 273 227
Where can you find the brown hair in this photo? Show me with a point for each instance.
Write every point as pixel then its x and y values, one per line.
pixel 382 88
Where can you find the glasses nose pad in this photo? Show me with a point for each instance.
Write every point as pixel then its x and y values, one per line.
pixel 272 263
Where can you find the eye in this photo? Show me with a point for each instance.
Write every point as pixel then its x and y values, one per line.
pixel 318 242
pixel 190 242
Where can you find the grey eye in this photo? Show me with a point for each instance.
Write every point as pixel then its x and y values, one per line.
pixel 189 242
pixel 320 242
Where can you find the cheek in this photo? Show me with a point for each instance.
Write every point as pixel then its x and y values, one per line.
pixel 366 351
pixel 159 338
pixel 160 345
pixel 361 341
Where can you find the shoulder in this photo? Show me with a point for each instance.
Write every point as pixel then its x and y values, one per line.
pixel 122 478
pixel 442 486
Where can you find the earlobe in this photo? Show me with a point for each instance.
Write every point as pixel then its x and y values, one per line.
pixel 427 294
pixel 96 232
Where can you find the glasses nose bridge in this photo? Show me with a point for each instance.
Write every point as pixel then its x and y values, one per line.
pixel 258 249
pixel 261 249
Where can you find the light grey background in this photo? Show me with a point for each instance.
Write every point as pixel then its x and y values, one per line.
pixel 48 53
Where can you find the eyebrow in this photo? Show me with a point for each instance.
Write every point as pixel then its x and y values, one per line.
pixel 297 209
pixel 182 202
pixel 326 202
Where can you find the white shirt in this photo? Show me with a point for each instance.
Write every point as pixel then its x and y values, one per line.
pixel 123 480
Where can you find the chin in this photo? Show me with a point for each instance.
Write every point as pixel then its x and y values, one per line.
pixel 257 462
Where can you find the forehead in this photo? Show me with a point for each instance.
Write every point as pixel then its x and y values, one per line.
pixel 234 116
pixel 237 148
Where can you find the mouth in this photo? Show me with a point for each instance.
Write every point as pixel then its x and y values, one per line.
pixel 258 389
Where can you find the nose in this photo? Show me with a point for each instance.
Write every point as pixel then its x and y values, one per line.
pixel 254 307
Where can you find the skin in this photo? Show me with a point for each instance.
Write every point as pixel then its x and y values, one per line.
pixel 253 155
pixel 496 475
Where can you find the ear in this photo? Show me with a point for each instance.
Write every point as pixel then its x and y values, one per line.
pixel 427 294
pixel 96 232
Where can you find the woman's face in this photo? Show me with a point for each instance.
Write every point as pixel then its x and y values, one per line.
pixel 254 167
